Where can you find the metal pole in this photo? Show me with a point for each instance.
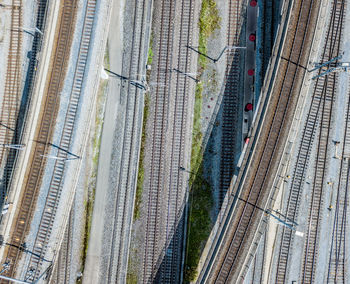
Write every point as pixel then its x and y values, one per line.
pixel 14 146
pixel 14 280
pixel 280 220
pixel 326 63
pixel 46 270
pixel 228 47
pixel 334 69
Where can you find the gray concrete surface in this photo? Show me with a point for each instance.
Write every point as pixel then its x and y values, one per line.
pixel 115 43
pixel 118 163
pixel 72 168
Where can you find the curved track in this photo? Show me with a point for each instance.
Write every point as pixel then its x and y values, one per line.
pixel 238 232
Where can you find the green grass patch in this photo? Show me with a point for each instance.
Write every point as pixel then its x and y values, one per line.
pixel 131 276
pixel 89 207
pixel 200 224
pixel 141 172
pixel 209 21
pixel 150 51
pixel 201 200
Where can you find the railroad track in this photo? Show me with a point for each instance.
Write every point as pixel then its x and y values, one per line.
pixel 26 97
pixel 314 218
pixel 163 250
pixel 232 99
pixel 63 153
pixel 160 110
pixel 11 97
pixel 62 273
pixel 258 264
pixel 243 217
pixel 48 116
pixel 322 96
pixel 337 256
pixel 177 184
pixel 134 69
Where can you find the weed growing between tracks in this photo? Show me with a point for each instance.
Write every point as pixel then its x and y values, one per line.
pixel 131 276
pixel 96 142
pixel 141 172
pixel 209 21
pixel 201 200
pixel 150 51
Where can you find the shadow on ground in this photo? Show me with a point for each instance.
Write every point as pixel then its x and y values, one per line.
pixel 24 103
pixel 201 219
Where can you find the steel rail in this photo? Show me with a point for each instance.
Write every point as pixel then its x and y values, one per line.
pixel 294 57
pixel 337 256
pixel 11 98
pixel 228 254
pixel 32 185
pixel 55 188
pixel 312 236
pixel 158 140
pixel 302 163
pixel 119 243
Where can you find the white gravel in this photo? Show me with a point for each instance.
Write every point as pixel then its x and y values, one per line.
pixel 332 173
pixel 5 25
pixel 86 106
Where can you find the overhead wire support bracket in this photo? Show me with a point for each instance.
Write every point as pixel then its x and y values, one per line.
pixel 326 63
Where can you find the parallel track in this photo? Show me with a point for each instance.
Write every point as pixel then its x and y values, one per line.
pixel 231 98
pixel 63 270
pixel 26 96
pixel 323 94
pixel 171 264
pixel 227 259
pixel 312 234
pixel 55 188
pixel 126 177
pixel 161 104
pixel 163 252
pixel 338 256
pixel 11 98
pixel 33 182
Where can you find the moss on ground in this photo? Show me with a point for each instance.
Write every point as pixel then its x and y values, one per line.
pixel 201 200
pixel 141 172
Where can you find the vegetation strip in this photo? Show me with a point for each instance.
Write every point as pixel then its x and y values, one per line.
pixel 200 201
pixel 140 175
pixel 131 276
pixel 96 143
